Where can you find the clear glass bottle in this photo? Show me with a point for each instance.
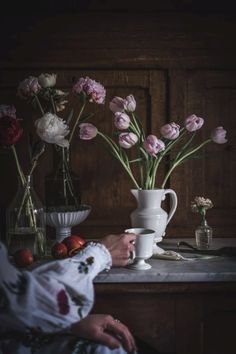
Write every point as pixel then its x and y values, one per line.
pixel 203 234
pixel 62 187
pixel 26 227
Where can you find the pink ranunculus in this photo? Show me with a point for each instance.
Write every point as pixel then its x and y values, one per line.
pixel 28 87
pixel 87 131
pixel 130 103
pixel 8 111
pixel 193 123
pixel 93 89
pixel 117 104
pixel 127 140
pixel 153 145
pixel 218 135
pixel 170 131
pixel 10 130
pixel 121 120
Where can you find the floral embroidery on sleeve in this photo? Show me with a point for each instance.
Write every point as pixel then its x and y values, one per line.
pixel 19 287
pixel 63 303
pixel 84 266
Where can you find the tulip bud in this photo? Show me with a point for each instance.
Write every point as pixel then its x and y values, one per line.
pixel 130 103
pixel 122 120
pixel 153 145
pixel 193 123
pixel 127 140
pixel 117 104
pixel 218 135
pixel 170 131
pixel 87 131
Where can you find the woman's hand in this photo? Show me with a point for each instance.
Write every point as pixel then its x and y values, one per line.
pixel 120 246
pixel 106 330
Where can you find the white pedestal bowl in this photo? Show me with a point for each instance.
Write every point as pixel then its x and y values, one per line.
pixel 64 221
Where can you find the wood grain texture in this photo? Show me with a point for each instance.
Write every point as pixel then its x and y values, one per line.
pixel 175 63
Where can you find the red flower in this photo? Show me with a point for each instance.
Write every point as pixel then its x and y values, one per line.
pixel 62 301
pixel 10 130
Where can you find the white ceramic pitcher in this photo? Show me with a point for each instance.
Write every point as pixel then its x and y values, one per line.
pixel 149 213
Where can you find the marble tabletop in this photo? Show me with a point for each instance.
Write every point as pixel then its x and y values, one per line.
pixel 196 269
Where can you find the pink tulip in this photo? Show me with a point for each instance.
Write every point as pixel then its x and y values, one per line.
pixel 122 120
pixel 170 131
pixel 130 103
pixel 94 90
pixel 193 123
pixel 117 104
pixel 28 87
pixel 218 135
pixel 87 131
pixel 127 140
pixel 153 145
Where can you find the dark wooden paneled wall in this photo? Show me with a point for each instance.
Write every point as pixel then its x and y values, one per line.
pixel 175 59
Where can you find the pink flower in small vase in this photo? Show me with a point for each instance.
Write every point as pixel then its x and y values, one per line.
pixel 218 135
pixel 87 131
pixel 193 123
pixel 93 89
pixel 28 87
pixel 127 140
pixel 153 145
pixel 122 120
pixel 170 131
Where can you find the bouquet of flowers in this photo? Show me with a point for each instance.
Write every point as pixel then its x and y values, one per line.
pixel 42 94
pixel 150 150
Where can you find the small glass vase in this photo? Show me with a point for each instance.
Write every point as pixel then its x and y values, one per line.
pixel 203 235
pixel 62 187
pixel 26 227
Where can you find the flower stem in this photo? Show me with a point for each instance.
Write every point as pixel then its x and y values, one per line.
pixel 39 104
pixel 116 154
pixel 178 162
pixel 53 105
pixel 76 122
pixel 19 169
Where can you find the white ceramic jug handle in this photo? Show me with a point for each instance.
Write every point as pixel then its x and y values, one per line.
pixel 173 203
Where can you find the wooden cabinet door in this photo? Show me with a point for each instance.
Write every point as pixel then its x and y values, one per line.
pixel 211 95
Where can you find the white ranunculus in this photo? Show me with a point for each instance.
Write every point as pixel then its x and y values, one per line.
pixel 47 80
pixel 52 129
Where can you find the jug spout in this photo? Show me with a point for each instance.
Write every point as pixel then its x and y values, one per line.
pixel 135 193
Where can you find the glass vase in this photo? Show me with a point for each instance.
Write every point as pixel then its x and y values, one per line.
pixel 26 227
pixel 203 235
pixel 62 187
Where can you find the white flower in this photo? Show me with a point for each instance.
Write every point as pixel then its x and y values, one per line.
pixel 47 80
pixel 52 129
pixel 201 203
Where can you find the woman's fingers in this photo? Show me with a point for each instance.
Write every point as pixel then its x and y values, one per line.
pixel 109 340
pixel 122 332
